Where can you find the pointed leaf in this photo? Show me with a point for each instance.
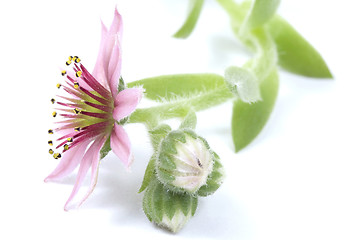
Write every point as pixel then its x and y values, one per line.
pixel 191 21
pixel 249 119
pixel 295 53
pixel 171 87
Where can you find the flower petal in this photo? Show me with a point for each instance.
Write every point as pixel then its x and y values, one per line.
pixel 83 169
pixel 120 144
pixel 115 64
pixel 109 58
pixel 126 101
pixel 95 168
pixel 68 162
pixel 99 70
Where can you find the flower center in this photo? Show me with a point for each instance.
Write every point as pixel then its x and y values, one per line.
pixel 85 107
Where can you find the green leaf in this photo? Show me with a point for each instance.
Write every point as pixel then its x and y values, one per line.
pixel 195 7
pixel 171 87
pixel 249 119
pixel 149 174
pixel 261 12
pixel 190 121
pixel 295 53
pixel 105 149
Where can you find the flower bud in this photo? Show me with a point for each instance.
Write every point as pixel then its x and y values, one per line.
pixel 168 209
pixel 185 163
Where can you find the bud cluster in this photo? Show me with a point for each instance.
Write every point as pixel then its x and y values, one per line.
pixel 184 168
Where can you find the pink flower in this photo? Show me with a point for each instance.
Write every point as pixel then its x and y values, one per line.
pixel 91 109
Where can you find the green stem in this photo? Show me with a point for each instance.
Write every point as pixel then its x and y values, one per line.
pixel 152 115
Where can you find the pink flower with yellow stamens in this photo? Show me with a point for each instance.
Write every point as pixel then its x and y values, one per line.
pixel 91 109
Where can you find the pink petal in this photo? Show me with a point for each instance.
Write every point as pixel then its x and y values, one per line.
pixel 83 169
pixel 95 168
pixel 120 144
pixel 126 101
pixel 68 162
pixel 115 64
pixel 109 58
pixel 99 71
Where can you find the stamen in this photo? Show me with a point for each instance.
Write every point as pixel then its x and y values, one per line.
pixel 76 85
pixel 77 129
pixel 50 131
pixel 77 110
pixel 54 114
pixel 70 139
pixel 58 85
pixel 51 151
pixel 50 143
pixel 66 147
pixel 78 73
pixel 68 62
pixel 52 100
pixel 57 155
pixel 70 58
pixel 77 60
pixel 63 73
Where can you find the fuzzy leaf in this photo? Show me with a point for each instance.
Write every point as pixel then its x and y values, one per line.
pixel 295 53
pixel 191 21
pixel 169 87
pixel 249 119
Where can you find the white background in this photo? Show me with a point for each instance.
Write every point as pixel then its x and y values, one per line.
pixel 300 179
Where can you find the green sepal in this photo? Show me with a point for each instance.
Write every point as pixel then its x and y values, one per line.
pixel 158 133
pixel 295 53
pixel 149 174
pixel 105 149
pixel 249 119
pixel 173 87
pixel 192 18
pixel 215 179
pixel 121 84
pixel 159 203
pixel 189 121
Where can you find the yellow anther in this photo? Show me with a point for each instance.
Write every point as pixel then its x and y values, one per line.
pixel 66 147
pixel 77 129
pixel 70 58
pixel 69 139
pixel 58 85
pixel 50 143
pixel 57 155
pixel 77 60
pixel 63 72
pixel 52 100
pixel 76 85
pixel 51 151
pixel 54 114
pixel 76 110
pixel 50 131
pixel 78 73
pixel 68 62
